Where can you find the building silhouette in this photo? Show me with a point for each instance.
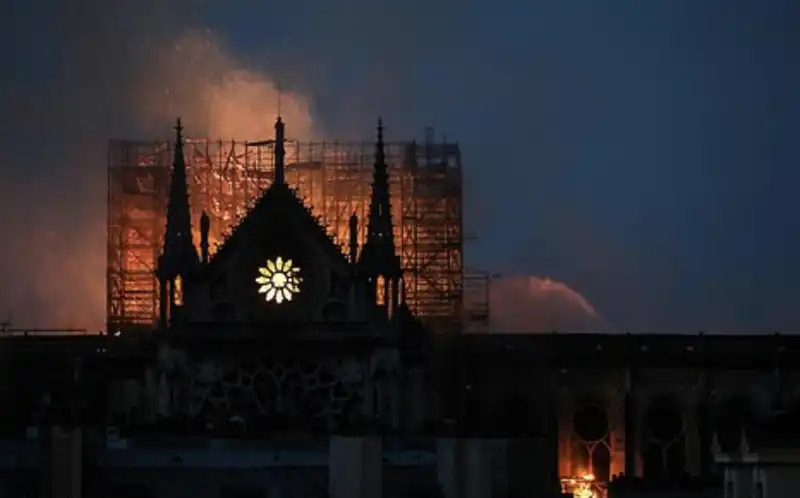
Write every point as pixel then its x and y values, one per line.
pixel 282 364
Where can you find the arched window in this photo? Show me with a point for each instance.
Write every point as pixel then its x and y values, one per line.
pixel 733 415
pixel 664 421
pixel 601 462
pixel 663 448
pixel 591 423
pixel 380 289
pixel 177 291
pixel 592 455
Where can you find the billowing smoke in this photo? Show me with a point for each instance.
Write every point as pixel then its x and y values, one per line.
pixel 78 73
pixel 120 70
pixel 218 96
pixel 527 304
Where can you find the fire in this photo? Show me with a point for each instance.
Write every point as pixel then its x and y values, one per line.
pixel 333 179
pixel 582 486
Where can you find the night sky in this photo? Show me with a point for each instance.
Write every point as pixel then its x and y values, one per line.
pixel 643 153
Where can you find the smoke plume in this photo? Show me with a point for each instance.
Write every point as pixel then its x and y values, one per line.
pixel 120 69
pixel 528 304
pixel 116 70
pixel 218 96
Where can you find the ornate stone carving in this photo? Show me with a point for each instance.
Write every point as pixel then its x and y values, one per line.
pixel 269 389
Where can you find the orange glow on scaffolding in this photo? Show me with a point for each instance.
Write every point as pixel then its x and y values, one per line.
pixel 178 292
pixel 333 179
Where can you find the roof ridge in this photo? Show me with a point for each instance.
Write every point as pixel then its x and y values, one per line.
pixel 229 240
pixel 316 219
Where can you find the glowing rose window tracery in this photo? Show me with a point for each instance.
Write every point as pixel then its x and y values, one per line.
pixel 279 280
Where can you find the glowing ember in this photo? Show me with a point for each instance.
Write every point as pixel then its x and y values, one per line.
pixel 580 487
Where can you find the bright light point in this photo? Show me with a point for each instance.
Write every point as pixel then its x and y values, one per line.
pixel 581 486
pixel 279 280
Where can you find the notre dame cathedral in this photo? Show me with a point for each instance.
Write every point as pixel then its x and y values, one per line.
pixel 280 329
pixel 286 365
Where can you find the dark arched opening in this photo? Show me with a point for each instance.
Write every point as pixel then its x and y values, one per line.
pixel 591 423
pixel 591 426
pixel 663 440
pixel 652 463
pixel 675 464
pixel 733 415
pixel 601 462
pixel 580 458
pixel 664 421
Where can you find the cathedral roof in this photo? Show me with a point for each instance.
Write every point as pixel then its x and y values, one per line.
pixel 279 199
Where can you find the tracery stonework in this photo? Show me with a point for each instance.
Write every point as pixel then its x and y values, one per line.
pixel 268 389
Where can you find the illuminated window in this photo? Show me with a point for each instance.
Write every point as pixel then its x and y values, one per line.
pixel 381 290
pixel 279 280
pixel 178 291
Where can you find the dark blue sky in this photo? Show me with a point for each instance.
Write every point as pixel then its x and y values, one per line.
pixel 643 152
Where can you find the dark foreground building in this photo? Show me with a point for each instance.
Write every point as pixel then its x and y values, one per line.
pixel 285 365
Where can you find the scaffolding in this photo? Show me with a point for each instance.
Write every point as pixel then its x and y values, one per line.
pixel 333 178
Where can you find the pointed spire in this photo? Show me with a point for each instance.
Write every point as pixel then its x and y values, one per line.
pixel 179 251
pixel 379 261
pixel 379 230
pixel 178 186
pixel 380 155
pixel 280 152
pixel 353 237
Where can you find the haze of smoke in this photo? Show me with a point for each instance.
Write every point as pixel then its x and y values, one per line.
pixel 529 304
pixel 215 94
pixel 128 69
pixel 122 74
